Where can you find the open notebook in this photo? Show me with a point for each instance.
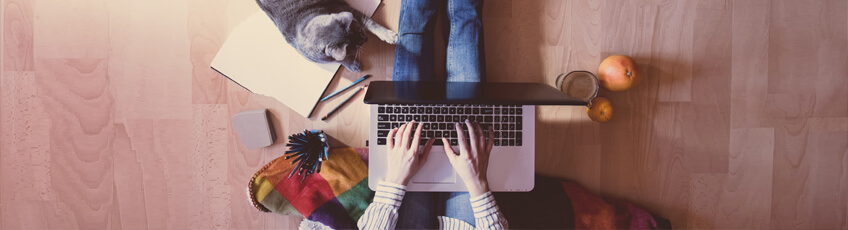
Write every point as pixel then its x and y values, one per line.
pixel 257 57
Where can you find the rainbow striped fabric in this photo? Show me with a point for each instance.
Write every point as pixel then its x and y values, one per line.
pixel 335 197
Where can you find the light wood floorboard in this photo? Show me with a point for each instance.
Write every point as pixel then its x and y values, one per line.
pixel 110 117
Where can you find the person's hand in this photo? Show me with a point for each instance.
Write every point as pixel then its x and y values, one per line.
pixel 403 156
pixel 472 162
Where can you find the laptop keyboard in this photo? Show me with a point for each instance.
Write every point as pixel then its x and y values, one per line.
pixel 438 121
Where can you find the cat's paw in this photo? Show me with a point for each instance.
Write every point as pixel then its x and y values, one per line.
pixel 355 66
pixel 390 37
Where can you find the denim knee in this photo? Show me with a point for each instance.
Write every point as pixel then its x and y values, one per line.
pixel 417 16
pixel 465 11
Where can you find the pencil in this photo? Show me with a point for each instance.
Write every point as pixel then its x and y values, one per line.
pixel 348 87
pixel 342 104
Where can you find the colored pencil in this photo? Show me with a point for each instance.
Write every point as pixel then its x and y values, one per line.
pixel 346 88
pixel 342 104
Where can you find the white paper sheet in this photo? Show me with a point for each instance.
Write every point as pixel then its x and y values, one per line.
pixel 257 57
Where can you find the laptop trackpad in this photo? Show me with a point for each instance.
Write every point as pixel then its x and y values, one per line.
pixel 437 169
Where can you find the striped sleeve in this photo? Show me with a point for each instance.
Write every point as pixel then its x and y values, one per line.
pixel 453 224
pixel 487 214
pixel 382 213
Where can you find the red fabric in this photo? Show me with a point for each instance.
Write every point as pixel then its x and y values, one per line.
pixel 631 216
pixel 306 196
pixel 592 211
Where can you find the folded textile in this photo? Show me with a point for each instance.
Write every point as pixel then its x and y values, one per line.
pixel 335 197
pixel 562 204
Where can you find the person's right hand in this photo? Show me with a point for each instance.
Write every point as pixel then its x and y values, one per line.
pixel 472 162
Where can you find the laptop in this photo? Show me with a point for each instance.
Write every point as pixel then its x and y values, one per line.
pixel 508 107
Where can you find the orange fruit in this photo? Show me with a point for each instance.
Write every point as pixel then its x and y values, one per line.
pixel 619 73
pixel 600 110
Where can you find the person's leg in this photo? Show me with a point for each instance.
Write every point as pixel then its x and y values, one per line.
pixel 416 211
pixel 457 205
pixel 414 51
pixel 465 56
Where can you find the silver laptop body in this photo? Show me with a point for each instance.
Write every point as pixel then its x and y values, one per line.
pixel 512 161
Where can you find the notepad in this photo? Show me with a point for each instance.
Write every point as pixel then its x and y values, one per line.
pixel 257 57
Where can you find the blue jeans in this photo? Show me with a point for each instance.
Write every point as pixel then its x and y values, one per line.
pixel 419 210
pixel 414 54
pixel 414 61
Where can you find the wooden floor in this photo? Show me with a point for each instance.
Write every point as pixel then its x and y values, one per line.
pixel 110 117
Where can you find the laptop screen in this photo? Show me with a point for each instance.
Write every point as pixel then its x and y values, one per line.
pixel 419 92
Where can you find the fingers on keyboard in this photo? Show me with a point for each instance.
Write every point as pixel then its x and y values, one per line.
pixel 438 121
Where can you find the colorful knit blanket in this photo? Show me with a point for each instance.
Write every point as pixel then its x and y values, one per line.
pixel 335 197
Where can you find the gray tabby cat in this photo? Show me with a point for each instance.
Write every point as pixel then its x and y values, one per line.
pixel 325 30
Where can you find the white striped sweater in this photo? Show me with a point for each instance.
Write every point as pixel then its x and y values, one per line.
pixel 383 212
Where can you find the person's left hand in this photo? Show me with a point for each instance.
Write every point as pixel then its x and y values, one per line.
pixel 403 156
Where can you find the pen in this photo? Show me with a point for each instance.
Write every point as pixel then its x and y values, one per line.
pixel 343 103
pixel 348 87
